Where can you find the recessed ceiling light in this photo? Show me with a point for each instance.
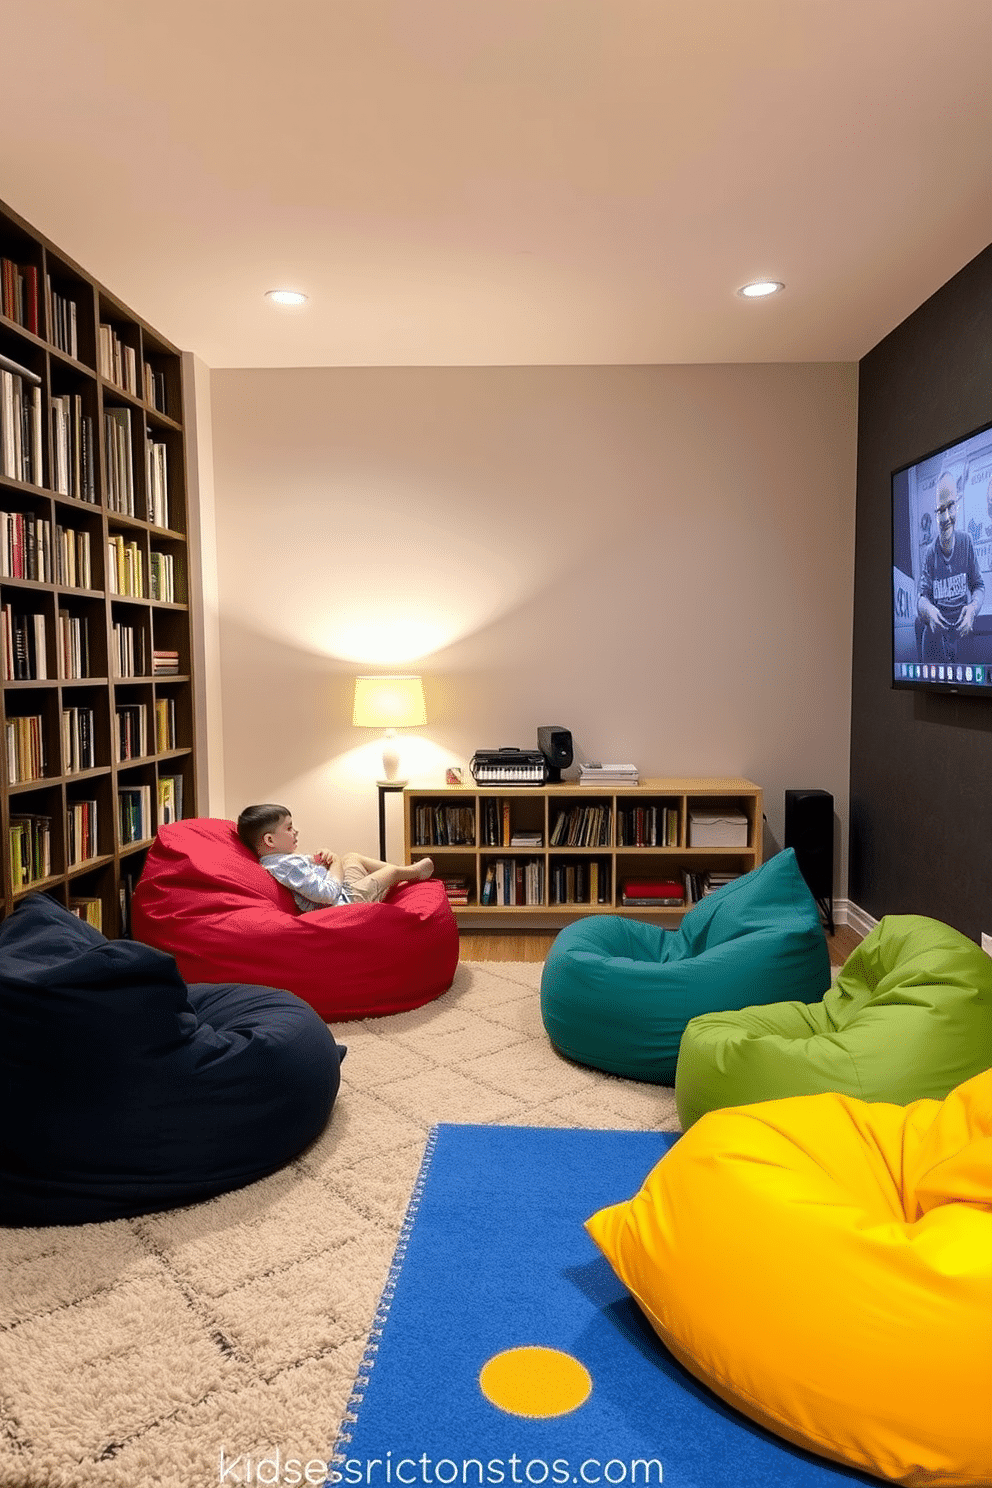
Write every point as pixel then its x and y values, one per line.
pixel 286 296
pixel 760 288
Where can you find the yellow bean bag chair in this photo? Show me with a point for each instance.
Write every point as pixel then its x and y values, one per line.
pixel 825 1266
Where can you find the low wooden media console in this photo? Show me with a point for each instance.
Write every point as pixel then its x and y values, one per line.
pixel 557 852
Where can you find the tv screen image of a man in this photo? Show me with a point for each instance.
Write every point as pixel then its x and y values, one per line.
pixel 951 590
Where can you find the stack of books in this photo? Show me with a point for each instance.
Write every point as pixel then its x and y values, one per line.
pixel 594 773
pixel 713 881
pixel 653 893
pixel 526 839
pixel 165 663
pixel 456 889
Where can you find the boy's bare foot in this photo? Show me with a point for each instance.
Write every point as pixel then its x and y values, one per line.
pixel 421 869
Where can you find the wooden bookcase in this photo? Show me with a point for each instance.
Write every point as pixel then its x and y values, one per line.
pixel 457 825
pixel 93 490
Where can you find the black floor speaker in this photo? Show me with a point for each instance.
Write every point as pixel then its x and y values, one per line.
pixel 809 829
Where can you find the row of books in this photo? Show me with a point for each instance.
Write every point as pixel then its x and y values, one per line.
pixel 437 825
pixel 24 655
pixel 81 832
pixel 26 552
pixel 72 558
pixel 23 652
pixel 132 728
pixel 157 481
pixel 134 807
pixel 132 731
pixel 62 315
pixel 73 645
pixel 495 821
pixel 19 294
pixel 20 423
pixel 130 650
pixel 25 738
pixel 118 362
pixel 163 577
pixel 648 826
pixel 510 881
pixel 73 449
pixel 125 571
pixel 77 740
pixel 25 547
pixel 583 826
pixel 30 842
pixel 25 743
pixel 156 389
pixel 134 813
pixel 19 301
pixel 120 474
pixel 30 835
pixel 583 882
pixel 165 724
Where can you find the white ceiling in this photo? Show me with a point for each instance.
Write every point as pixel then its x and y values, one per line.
pixel 485 182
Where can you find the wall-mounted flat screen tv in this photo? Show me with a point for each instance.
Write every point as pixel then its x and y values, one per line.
pixel 942 569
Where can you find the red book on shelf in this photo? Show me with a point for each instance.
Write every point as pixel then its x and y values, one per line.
pixel 654 889
pixel 31 298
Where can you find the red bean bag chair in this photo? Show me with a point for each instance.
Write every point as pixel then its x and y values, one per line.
pixel 206 899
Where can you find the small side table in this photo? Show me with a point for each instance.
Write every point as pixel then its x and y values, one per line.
pixel 385 788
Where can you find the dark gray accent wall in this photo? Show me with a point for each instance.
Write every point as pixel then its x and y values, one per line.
pixel 921 766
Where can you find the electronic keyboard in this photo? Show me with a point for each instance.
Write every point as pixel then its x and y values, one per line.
pixel 508 766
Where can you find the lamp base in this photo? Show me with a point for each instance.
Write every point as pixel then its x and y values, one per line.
pixel 390 757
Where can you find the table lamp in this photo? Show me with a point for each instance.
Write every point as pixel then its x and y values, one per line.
pixel 389 703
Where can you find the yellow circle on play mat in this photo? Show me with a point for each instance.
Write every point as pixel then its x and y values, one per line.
pixel 535 1382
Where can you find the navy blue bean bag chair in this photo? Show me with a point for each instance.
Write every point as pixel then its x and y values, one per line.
pixel 123 1091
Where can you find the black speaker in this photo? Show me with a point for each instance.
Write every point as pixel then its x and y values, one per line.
pixel 555 743
pixel 809 829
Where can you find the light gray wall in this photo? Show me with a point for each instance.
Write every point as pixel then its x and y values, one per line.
pixel 658 558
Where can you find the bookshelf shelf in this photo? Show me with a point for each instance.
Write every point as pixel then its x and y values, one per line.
pixel 558 852
pixel 92 474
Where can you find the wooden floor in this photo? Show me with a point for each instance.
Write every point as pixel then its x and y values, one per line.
pixel 533 945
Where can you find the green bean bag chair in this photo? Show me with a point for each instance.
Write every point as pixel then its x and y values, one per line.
pixel 617 993
pixel 909 1018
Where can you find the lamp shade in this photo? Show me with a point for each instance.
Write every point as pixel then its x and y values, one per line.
pixel 389 702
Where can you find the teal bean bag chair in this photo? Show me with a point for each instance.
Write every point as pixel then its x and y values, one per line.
pixel 909 1018
pixel 617 993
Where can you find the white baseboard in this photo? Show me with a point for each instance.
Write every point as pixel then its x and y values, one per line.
pixel 848 913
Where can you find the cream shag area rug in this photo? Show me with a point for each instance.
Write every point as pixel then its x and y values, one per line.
pixel 185 1349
